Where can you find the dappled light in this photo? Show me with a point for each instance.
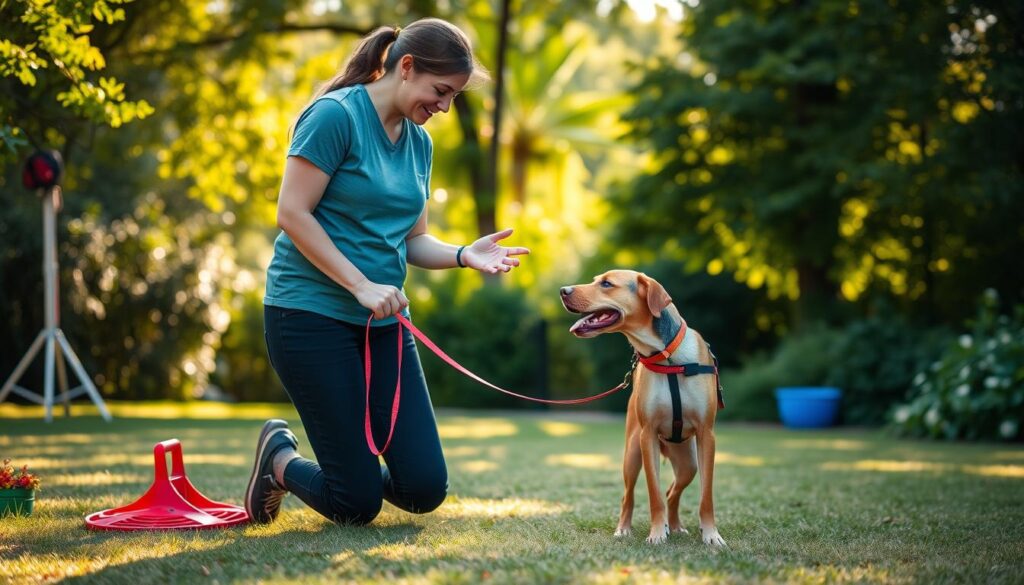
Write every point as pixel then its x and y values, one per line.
pixel 726 458
pixel 459 507
pixel 832 444
pixel 1009 471
pixel 485 428
pixel 96 479
pixel 477 466
pixel 200 410
pixel 146 461
pixel 583 461
pixel 559 428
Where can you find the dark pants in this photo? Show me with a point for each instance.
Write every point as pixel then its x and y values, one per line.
pixel 320 362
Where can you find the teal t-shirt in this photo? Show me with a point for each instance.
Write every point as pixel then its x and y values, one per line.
pixel 377 192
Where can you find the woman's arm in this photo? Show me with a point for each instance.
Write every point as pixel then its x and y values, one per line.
pixel 485 255
pixel 426 251
pixel 302 188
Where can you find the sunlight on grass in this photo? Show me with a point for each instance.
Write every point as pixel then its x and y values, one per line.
pixel 461 451
pixel 72 438
pixel 95 479
pixel 731 459
pixel 118 549
pixel 926 466
pixel 159 410
pixel 582 461
pixel 1009 455
pixel 835 444
pixel 476 428
pixel 477 466
pixel 455 506
pixel 533 502
pixel 560 428
pixel 113 459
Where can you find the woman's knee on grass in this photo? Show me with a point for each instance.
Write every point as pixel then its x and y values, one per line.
pixel 426 496
pixel 357 511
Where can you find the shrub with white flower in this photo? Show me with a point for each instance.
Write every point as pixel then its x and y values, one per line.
pixel 976 391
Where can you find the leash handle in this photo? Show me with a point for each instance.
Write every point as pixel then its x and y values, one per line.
pixel 451 362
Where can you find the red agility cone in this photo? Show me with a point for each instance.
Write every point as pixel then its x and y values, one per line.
pixel 171 503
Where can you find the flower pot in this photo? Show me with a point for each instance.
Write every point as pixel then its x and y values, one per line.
pixel 17 502
pixel 808 407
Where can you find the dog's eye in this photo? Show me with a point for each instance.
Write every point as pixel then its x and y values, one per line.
pixel 606 284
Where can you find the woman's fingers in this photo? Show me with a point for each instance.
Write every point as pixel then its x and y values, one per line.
pixel 392 303
pixel 501 235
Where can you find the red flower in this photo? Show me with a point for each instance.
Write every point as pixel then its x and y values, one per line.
pixel 21 478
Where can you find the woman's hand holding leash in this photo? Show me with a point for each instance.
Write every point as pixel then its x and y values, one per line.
pixel 488 257
pixel 383 299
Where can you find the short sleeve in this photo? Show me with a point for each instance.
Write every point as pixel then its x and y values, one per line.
pixel 322 135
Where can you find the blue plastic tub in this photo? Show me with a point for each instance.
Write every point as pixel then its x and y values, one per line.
pixel 808 407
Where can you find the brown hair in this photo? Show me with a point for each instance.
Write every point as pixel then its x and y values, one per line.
pixel 437 47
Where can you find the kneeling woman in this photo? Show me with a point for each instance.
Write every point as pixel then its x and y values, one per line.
pixel 352 210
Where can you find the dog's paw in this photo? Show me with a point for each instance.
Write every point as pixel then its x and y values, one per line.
pixel 658 535
pixel 711 537
pixel 678 530
pixel 623 531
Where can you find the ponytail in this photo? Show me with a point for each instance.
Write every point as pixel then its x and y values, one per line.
pixel 366 64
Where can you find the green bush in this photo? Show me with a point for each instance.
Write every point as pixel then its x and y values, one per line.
pixel 495 334
pixel 976 390
pixel 801 360
pixel 874 361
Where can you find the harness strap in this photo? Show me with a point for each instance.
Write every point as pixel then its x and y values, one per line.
pixel 677 411
pixel 691 370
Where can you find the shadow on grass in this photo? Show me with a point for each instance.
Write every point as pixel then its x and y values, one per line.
pixel 250 552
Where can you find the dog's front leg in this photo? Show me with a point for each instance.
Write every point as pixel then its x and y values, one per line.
pixel 706 447
pixel 631 463
pixel 651 450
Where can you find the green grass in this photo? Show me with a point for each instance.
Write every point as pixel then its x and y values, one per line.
pixel 533 499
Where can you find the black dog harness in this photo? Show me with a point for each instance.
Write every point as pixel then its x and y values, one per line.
pixel 673 373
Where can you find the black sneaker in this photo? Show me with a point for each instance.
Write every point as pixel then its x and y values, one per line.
pixel 263 496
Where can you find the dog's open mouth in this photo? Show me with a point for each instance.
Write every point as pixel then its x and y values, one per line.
pixel 599 319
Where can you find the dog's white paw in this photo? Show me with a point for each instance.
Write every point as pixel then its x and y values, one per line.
pixel 711 537
pixel 678 530
pixel 658 535
pixel 623 531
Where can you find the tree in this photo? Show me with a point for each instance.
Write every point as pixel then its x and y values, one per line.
pixel 47 81
pixel 830 151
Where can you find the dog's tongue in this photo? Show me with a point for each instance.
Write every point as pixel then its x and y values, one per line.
pixel 597 318
pixel 578 324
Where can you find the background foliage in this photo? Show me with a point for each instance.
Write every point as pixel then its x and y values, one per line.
pixel 976 389
pixel 824 188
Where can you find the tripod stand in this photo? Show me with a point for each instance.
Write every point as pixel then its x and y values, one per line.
pixel 56 344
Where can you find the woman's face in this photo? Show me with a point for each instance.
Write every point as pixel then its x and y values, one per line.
pixel 421 95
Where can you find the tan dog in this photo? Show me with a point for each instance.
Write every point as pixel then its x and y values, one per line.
pixel 637 306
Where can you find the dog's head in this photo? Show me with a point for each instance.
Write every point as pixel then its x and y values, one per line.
pixel 618 300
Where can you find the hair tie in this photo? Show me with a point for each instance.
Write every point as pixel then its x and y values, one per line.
pixel 398 29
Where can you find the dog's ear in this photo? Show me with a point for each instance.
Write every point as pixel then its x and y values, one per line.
pixel 657 296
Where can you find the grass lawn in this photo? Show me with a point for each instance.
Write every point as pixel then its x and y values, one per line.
pixel 533 499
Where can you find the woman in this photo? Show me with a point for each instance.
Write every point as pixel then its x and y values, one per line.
pixel 352 211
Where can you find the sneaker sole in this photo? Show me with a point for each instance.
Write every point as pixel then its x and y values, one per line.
pixel 268 431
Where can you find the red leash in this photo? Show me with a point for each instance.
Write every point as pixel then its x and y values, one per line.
pixel 451 362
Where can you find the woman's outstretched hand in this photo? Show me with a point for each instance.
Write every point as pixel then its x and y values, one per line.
pixel 488 257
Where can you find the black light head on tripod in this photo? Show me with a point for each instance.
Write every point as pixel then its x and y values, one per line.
pixel 43 170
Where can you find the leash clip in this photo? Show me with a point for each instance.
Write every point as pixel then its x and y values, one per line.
pixel 627 380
